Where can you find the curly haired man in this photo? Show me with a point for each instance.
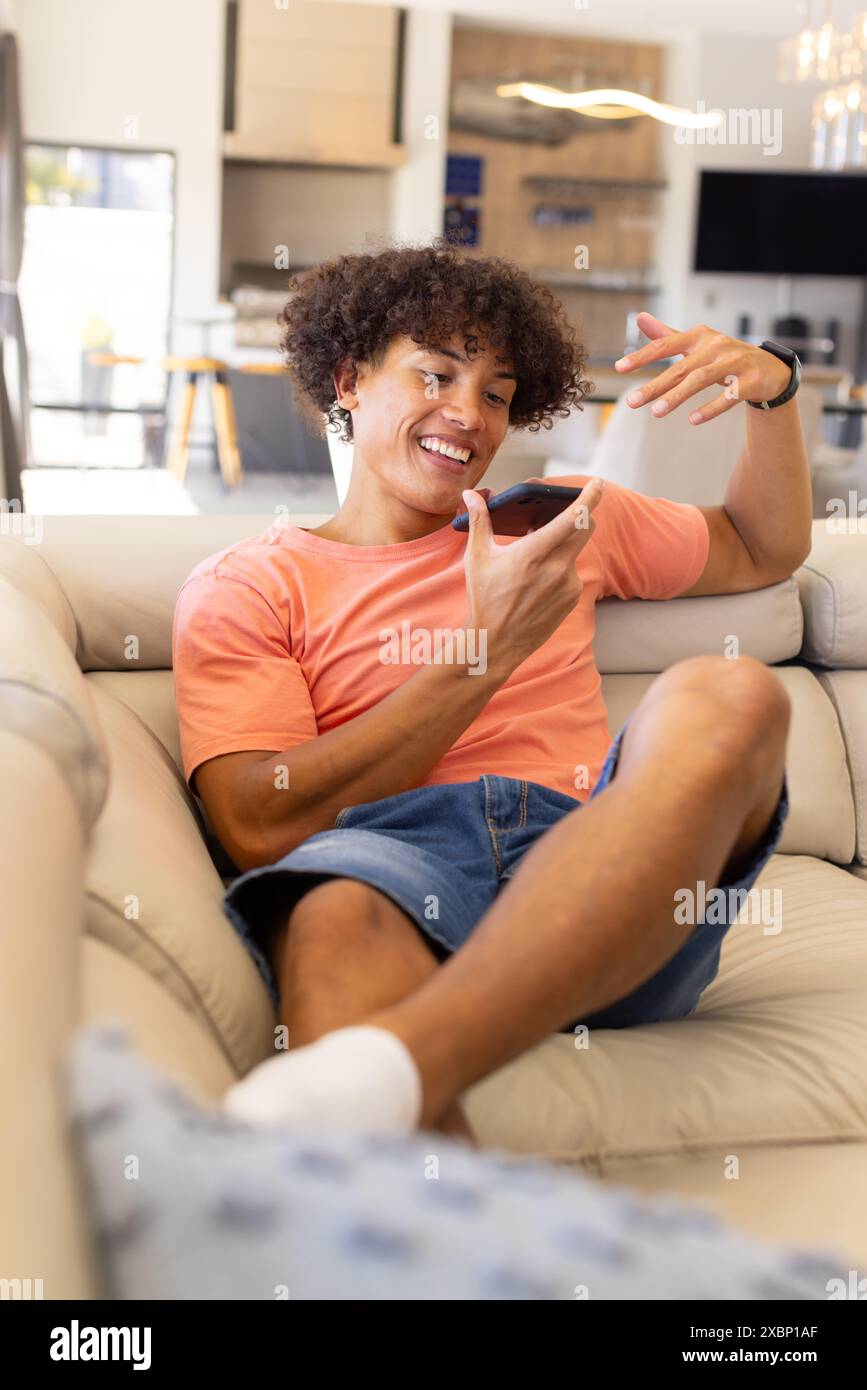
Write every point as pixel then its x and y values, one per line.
pixel 440 866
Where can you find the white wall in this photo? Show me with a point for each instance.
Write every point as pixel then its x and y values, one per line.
pixel 89 65
pixel 316 213
pixel 681 78
pixel 418 186
pixel 733 71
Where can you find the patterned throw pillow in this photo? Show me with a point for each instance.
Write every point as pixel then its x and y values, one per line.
pixel 187 1204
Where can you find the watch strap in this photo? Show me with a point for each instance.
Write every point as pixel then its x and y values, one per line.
pixel 792 360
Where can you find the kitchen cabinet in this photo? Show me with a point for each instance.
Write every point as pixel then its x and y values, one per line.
pixel 314 83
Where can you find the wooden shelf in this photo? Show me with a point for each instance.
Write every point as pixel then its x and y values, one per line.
pixel 552 185
pixel 588 280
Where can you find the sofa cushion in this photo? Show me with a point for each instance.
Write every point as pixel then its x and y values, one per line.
pixel 154 894
pixel 219 1211
pixel 806 1193
pixel 831 584
pixel 121 575
pixel 774 1054
pixel 640 635
pixel 848 693
pixel 822 816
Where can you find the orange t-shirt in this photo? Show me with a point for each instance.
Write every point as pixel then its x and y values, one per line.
pixel 277 639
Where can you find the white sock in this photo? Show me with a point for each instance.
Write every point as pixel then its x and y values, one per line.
pixel 360 1079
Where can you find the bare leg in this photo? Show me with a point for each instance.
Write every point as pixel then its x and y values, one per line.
pixel 698 780
pixel 346 952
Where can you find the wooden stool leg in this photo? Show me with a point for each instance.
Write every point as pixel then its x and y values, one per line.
pixel 177 463
pixel 233 436
pixel 224 423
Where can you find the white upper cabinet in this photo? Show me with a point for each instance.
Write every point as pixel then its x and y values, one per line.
pixel 315 82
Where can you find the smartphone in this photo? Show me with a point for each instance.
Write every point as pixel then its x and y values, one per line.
pixel 523 508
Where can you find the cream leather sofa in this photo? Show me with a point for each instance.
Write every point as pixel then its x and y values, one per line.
pixel 112 884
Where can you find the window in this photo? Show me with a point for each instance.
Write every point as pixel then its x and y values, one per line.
pixel 96 278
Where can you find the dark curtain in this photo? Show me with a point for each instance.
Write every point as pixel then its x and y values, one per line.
pixel 14 394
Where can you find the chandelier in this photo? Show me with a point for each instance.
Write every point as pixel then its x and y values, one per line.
pixel 609 104
pixel 823 53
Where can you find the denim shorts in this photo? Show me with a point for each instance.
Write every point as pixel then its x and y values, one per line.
pixel 442 853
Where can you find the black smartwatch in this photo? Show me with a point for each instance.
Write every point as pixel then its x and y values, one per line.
pixel 791 360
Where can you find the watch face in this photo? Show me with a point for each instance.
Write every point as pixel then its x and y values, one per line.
pixel 785 354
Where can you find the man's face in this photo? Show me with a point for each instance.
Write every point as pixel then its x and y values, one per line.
pixel 444 396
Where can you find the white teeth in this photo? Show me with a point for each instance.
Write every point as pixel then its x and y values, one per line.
pixel 438 447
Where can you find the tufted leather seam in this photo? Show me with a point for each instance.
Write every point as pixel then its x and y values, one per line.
pixel 90 757
pixel 63 594
pixel 850 740
pixel 701 1147
pixel 202 1010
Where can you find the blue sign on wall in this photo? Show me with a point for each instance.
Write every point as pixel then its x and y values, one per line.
pixel 464 175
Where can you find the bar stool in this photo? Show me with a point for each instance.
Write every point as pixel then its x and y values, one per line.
pixel 223 413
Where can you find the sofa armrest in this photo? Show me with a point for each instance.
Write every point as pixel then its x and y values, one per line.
pixel 43 1226
pixel 643 635
pixel 833 588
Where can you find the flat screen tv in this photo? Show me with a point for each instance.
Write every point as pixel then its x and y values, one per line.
pixel 781 223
